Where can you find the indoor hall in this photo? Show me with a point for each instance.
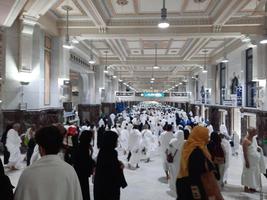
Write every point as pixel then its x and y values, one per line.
pixel 103 62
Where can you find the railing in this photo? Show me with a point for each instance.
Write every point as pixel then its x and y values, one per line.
pixel 141 96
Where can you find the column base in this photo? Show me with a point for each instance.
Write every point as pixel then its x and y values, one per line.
pixel 108 108
pixel 89 112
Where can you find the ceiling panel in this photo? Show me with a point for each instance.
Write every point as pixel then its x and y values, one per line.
pixel 146 6
pixel 251 5
pixel 100 45
pixel 193 6
pixel 134 44
pixel 103 52
pixel 214 44
pixel 75 10
pixel 136 51
pixel 173 51
pixel 150 44
pixel 177 44
pixel 202 51
pixel 126 9
pixel 152 51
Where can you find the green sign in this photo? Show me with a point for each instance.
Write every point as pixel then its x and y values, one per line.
pixel 152 94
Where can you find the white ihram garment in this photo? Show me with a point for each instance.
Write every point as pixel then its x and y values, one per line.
pixel 148 142
pixel 251 176
pixel 123 139
pixel 164 140
pixel 49 178
pixel 226 148
pixel 134 146
pixel 175 145
pixel 13 143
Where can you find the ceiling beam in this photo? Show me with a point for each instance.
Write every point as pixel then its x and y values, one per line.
pixel 94 51
pixel 14 12
pixel 228 9
pixel 168 62
pixel 196 48
pixel 40 7
pixel 91 10
pixel 116 49
pixel 154 33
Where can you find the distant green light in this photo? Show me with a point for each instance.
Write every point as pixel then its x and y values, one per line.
pixel 153 94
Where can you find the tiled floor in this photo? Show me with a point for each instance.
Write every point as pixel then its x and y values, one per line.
pixel 148 183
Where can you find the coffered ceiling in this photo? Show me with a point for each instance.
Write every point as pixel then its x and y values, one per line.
pixel 127 30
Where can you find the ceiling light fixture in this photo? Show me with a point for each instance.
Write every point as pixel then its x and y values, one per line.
pixel 205 61
pixel 114 76
pixel 106 67
pixel 92 60
pixel 246 39
pixel 163 21
pixel 75 41
pixel 156 57
pixel 67 44
pixel 225 59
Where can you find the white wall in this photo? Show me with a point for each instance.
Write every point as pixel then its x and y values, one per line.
pixel 34 92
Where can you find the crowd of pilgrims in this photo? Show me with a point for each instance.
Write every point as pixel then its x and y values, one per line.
pixel 195 158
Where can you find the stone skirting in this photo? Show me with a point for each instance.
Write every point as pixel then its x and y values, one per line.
pixel 261 122
pixel 26 118
pixel 214 115
pixel 108 108
pixel 89 112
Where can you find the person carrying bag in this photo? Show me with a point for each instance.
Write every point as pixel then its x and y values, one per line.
pixel 196 179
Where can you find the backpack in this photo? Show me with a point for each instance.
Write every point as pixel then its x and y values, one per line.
pixel 72 130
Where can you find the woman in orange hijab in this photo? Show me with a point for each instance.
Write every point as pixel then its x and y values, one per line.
pixel 196 179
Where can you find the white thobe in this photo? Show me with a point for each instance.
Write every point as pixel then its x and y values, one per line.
pixel 236 142
pixel 148 142
pixel 210 127
pixel 251 176
pixel 134 146
pixel 226 148
pixel 123 139
pixel 165 139
pixel 48 178
pixel 101 123
pixel 13 143
pixel 223 130
pixel 175 145
pixel 112 117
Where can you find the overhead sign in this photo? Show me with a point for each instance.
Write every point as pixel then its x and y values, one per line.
pixel 153 94
pixel 124 94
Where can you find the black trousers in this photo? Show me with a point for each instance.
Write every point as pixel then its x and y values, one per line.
pixel 129 156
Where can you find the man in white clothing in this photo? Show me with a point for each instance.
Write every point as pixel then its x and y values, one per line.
pixel 134 146
pixel 112 117
pixel 175 148
pixel 49 177
pixel 164 140
pixel 13 143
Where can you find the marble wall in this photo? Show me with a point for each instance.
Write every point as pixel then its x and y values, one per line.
pixel 89 112
pixel 26 118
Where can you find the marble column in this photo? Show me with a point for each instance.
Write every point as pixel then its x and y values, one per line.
pixel 84 90
pixel 99 83
pixel 92 89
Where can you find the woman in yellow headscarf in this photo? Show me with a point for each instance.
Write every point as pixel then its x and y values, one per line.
pixel 196 177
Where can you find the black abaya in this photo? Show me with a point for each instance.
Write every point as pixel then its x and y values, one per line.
pixel 109 176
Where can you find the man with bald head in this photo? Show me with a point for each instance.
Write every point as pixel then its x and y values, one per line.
pixel 13 143
pixel 251 167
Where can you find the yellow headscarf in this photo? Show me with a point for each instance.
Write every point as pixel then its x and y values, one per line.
pixel 199 137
